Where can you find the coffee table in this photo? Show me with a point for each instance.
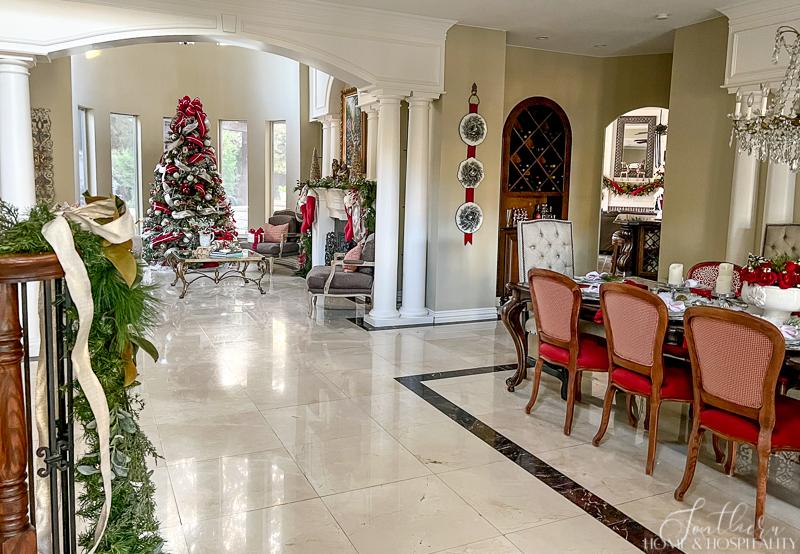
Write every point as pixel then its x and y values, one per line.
pixel 226 268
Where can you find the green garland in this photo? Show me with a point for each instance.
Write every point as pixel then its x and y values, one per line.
pixel 305 255
pixel 633 188
pixel 122 315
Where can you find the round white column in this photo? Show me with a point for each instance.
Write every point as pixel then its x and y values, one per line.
pixel 326 146
pixel 779 197
pixel 16 141
pixel 415 230
pixel 387 212
pixel 741 222
pixel 372 142
pixel 336 137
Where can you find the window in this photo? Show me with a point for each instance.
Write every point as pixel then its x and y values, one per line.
pixel 277 171
pixel 165 131
pixel 125 174
pixel 233 162
pixel 86 167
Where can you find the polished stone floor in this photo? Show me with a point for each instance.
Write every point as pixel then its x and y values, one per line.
pixel 281 433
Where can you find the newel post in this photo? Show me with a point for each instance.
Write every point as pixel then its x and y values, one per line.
pixel 17 535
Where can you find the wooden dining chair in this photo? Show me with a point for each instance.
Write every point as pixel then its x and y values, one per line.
pixel 556 301
pixel 736 358
pixel 636 321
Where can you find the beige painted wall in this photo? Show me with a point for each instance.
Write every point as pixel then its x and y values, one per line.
pixel 310 131
pixel 593 92
pixel 459 276
pixel 51 88
pixel 699 160
pixel 233 83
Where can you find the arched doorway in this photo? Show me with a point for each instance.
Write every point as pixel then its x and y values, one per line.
pixel 537 145
pixel 632 189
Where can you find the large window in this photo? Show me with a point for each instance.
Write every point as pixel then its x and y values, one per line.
pixel 125 173
pixel 86 167
pixel 233 161
pixel 277 160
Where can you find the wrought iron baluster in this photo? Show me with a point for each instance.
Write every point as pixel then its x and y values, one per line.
pixel 27 383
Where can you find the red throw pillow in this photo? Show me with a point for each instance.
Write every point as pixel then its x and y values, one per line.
pixel 353 254
pixel 275 233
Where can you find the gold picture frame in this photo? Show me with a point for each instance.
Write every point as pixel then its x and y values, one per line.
pixel 354 129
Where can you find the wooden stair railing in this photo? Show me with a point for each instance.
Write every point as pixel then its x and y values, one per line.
pixel 17 515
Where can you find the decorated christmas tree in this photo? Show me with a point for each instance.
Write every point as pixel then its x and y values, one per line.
pixel 186 197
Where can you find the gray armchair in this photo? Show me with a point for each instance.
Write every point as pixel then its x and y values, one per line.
pixel 288 248
pixel 333 280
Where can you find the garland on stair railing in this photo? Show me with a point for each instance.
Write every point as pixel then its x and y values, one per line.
pixel 125 310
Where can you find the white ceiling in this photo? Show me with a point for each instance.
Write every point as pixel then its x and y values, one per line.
pixel 626 27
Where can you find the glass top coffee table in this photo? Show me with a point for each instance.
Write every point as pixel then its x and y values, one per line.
pixel 224 268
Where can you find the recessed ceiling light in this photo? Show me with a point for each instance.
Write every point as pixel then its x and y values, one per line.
pixel 600 45
pixel 542 37
pixel 662 16
pixel 92 54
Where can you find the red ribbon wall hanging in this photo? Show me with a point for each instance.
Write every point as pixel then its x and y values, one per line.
pixel 472 129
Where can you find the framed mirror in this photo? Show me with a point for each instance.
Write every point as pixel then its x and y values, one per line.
pixel 635 147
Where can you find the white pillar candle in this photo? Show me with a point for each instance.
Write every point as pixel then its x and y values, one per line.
pixel 738 110
pixel 726 269
pixel 724 284
pixel 676 275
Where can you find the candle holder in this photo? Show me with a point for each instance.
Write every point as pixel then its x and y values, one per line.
pixel 675 289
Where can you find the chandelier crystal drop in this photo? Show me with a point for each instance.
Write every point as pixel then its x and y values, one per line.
pixel 771 131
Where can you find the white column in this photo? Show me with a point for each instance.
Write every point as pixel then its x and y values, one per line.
pixel 372 141
pixel 415 230
pixel 17 184
pixel 16 140
pixel 387 213
pixel 326 146
pixel 336 137
pixel 779 198
pixel 742 220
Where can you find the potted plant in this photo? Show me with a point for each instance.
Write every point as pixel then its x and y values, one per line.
pixel 772 285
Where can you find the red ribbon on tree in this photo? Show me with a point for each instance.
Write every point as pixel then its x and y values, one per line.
pixel 166 237
pixel 196 141
pixel 195 158
pixel 163 207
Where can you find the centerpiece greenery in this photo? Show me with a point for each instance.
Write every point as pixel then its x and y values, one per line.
pixel 123 315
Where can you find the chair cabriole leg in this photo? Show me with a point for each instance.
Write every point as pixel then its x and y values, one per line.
pixel 537 377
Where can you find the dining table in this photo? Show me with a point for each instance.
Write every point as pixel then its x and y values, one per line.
pixel 515 314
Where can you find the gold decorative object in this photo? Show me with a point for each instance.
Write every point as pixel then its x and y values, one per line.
pixel 202 252
pixel 316 172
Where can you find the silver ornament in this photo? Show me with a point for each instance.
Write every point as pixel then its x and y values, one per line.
pixel 190 177
pixel 185 150
pixel 207 142
pixel 157 212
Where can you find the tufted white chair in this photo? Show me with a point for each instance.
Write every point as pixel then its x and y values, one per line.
pixel 545 244
pixel 781 240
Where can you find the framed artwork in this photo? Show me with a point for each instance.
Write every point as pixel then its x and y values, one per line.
pixel 354 130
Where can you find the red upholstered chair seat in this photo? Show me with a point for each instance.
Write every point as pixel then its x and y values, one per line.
pixel 592 353
pixel 677 350
pixel 677 383
pixel 785 434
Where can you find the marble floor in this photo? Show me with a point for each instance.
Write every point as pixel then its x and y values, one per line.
pixel 281 433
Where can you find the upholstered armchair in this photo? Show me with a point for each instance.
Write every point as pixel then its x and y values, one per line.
pixel 333 280
pixel 545 244
pixel 781 240
pixel 289 246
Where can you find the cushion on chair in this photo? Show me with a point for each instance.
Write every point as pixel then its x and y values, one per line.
pixel 275 233
pixel 282 217
pixel 592 353
pixel 677 384
pixel 342 283
pixel 368 255
pixel 353 254
pixel 274 248
pixel 785 434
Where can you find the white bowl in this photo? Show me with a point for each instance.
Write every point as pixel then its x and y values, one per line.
pixel 777 303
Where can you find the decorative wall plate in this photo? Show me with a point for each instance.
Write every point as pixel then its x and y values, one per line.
pixel 470 173
pixel 469 217
pixel 472 129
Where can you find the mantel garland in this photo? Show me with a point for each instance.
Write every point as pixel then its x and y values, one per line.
pixel 632 188
pixel 125 310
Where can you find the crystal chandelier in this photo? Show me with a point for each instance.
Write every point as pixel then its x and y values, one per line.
pixel 771 131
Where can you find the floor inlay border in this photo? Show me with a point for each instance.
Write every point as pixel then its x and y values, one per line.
pixel 623 525
pixel 359 322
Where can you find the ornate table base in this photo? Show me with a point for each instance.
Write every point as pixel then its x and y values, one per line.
pixel 182 268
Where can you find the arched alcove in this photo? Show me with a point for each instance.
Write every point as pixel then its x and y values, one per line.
pixel 536 158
